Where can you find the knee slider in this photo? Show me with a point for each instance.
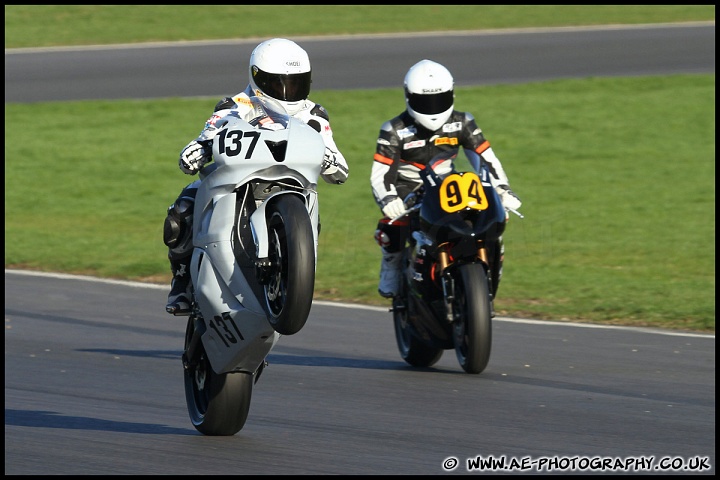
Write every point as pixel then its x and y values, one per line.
pixel 382 238
pixel 391 237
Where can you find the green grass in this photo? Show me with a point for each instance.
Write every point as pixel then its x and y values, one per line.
pixel 53 25
pixel 616 176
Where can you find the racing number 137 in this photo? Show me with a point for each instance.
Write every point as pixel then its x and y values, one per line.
pixel 231 145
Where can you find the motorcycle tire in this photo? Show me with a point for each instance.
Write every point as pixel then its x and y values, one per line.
pixel 218 404
pixel 413 350
pixel 472 329
pixel 289 292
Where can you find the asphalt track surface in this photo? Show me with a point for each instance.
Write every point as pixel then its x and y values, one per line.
pixel 93 379
pixel 217 69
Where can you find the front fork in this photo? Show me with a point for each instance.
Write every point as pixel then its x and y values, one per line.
pixel 448 282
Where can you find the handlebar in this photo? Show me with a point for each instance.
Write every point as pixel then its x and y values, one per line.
pixel 408 211
pixel 516 212
pixel 418 205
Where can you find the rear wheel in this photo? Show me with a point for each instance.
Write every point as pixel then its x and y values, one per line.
pixel 289 292
pixel 218 404
pixel 472 329
pixel 414 351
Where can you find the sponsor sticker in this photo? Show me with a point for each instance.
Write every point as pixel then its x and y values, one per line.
pixel 452 127
pixel 414 144
pixel 446 141
pixel 407 132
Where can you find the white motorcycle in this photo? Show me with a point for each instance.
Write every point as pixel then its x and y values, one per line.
pixel 253 266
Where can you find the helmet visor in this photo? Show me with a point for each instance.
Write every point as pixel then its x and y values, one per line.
pixel 286 87
pixel 430 104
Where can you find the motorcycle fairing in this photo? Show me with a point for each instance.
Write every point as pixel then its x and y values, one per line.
pixel 239 336
pixel 467 219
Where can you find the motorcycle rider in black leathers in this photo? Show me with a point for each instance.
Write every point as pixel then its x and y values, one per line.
pixel 279 68
pixel 427 127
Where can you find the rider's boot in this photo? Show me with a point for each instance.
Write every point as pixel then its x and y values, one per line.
pixel 179 298
pixel 390 274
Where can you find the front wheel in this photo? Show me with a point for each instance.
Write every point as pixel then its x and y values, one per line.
pixel 472 329
pixel 289 292
pixel 218 404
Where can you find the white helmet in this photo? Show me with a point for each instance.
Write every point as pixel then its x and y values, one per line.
pixel 429 94
pixel 280 69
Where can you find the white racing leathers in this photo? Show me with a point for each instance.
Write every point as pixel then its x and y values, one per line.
pixel 335 168
pixel 178 223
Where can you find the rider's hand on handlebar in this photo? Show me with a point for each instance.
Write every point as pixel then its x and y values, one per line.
pixel 329 164
pixel 394 208
pixel 509 200
pixel 193 157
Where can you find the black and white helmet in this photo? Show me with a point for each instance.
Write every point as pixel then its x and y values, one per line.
pixel 429 94
pixel 280 68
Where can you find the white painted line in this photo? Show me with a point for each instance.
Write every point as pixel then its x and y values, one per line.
pixel 155 286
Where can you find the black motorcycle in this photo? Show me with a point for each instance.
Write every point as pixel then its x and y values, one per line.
pixel 451 267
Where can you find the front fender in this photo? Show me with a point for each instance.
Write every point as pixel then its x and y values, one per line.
pixel 258 223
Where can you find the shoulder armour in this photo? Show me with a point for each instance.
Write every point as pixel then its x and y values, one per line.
pixel 226 102
pixel 468 116
pixel 319 110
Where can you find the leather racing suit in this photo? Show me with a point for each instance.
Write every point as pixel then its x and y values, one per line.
pixel 177 231
pixel 403 149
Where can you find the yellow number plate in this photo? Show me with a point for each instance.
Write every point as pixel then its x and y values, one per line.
pixel 462 190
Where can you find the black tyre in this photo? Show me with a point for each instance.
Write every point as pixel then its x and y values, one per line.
pixel 218 404
pixel 289 292
pixel 472 330
pixel 414 351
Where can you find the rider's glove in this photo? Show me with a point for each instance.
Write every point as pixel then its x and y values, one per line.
pixel 193 157
pixel 509 199
pixel 394 207
pixel 332 169
pixel 329 164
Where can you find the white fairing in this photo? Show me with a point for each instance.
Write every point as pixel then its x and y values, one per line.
pixel 231 308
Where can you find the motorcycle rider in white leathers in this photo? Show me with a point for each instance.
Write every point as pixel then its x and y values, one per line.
pixel 278 68
pixel 429 125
